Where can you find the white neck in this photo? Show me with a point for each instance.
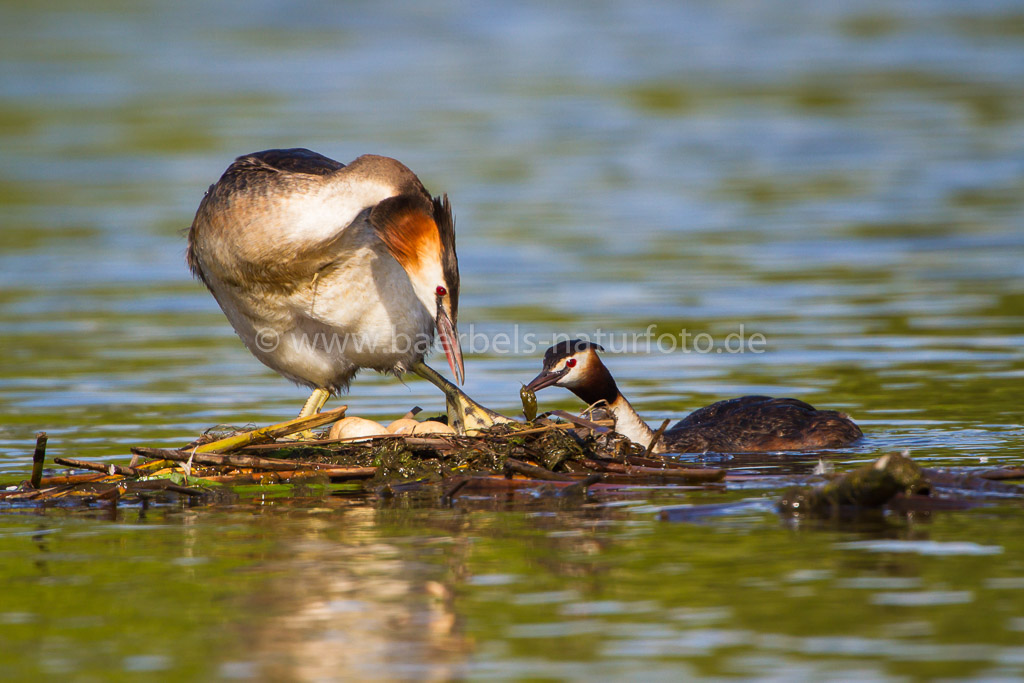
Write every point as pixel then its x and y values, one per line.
pixel 629 424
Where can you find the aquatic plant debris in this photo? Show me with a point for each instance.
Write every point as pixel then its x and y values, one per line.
pixel 867 487
pixel 560 455
pixel 569 455
pixel 893 483
pixel 529 399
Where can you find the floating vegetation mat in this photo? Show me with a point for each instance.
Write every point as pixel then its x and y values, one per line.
pixel 557 454
pixel 571 453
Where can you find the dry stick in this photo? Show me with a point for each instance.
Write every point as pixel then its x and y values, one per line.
pixel 46 492
pixel 70 479
pixel 110 489
pixel 534 472
pixel 330 471
pixel 655 439
pixel 215 459
pixel 251 461
pixel 601 466
pixel 37 460
pixel 579 421
pixel 320 442
pixel 264 434
pixel 24 494
pixel 545 428
pixel 108 469
pixel 150 467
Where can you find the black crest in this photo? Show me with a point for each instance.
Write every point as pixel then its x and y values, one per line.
pixel 564 349
pixel 445 220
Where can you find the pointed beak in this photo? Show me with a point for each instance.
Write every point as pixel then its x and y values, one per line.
pixel 545 379
pixel 450 341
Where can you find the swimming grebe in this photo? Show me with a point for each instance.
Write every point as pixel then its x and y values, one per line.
pixel 750 423
pixel 324 269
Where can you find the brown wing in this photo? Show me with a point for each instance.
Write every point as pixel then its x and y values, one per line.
pixel 259 172
pixel 761 423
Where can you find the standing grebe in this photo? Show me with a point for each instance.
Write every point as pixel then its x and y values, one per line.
pixel 750 423
pixel 324 269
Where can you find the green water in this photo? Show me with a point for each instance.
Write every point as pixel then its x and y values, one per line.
pixel 845 180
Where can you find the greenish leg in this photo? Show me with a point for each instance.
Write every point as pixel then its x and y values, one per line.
pixel 314 404
pixel 463 412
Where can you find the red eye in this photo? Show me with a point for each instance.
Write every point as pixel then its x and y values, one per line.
pixel 571 363
pixel 441 291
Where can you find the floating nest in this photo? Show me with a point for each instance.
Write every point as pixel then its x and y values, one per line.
pixel 556 449
pixel 559 453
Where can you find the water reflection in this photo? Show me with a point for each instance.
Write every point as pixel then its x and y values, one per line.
pixel 361 608
pixel 463 593
pixel 322 588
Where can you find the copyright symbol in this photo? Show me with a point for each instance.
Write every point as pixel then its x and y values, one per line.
pixel 267 340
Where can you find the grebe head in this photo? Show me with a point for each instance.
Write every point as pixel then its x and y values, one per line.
pixel 446 291
pixel 421 237
pixel 574 364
